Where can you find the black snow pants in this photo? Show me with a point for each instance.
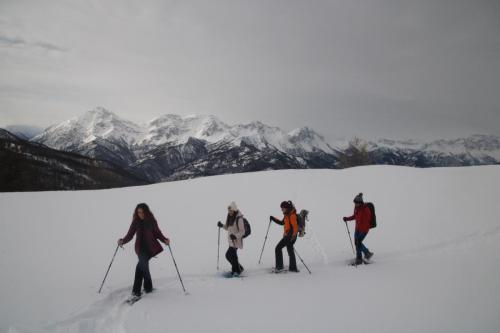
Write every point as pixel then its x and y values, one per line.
pixel 288 243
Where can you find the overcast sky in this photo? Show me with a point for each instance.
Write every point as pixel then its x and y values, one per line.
pixel 372 68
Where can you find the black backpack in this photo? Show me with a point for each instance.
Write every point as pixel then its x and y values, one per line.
pixel 248 230
pixel 373 221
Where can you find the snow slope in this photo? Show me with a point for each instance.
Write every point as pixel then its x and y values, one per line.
pixel 435 265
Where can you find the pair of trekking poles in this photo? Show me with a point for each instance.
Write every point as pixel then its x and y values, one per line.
pixel 260 258
pixel 112 259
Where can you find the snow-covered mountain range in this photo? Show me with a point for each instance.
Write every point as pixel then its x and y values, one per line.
pixel 100 123
pixel 174 147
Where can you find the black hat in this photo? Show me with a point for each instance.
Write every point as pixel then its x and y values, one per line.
pixel 286 205
pixel 358 198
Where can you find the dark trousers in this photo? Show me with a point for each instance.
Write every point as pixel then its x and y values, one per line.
pixel 142 273
pixel 288 243
pixel 360 247
pixel 232 257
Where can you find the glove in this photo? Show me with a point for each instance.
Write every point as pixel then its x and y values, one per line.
pixel 233 237
pixel 120 242
pixel 219 224
pixel 271 218
pixel 345 219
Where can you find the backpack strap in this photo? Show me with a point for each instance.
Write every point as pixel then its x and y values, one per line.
pixel 236 222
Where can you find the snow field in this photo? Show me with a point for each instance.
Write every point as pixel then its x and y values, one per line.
pixel 434 266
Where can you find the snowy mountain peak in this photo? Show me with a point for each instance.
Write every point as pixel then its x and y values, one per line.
pixel 175 128
pixel 98 123
pixel 304 133
pixel 309 140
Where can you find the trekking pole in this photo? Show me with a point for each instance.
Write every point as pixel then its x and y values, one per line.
pixel 218 248
pixel 265 239
pixel 111 263
pixel 350 239
pixel 182 284
pixel 302 261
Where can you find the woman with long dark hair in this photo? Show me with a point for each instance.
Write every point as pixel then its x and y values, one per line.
pixel 147 232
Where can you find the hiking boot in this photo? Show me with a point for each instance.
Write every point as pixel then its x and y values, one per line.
pixel 278 270
pixel 356 262
pixel 294 270
pixel 235 274
pixel 368 255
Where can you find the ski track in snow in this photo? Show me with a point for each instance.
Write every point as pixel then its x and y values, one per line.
pixel 107 315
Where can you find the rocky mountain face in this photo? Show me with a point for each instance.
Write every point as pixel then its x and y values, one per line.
pixel 474 150
pixel 174 147
pixel 29 166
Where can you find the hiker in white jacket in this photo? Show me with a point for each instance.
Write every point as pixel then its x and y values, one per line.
pixel 235 231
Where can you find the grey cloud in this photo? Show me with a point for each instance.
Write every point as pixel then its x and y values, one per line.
pixel 11 41
pixel 16 41
pixel 393 68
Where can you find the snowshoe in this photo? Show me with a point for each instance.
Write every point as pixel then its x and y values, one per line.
pixel 357 262
pixel 229 275
pixel 132 299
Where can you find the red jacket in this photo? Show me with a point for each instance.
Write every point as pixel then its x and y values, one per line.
pixel 363 216
pixel 148 231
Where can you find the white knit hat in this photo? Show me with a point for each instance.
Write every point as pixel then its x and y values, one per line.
pixel 233 206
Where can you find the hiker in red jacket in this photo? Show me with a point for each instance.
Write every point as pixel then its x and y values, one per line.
pixel 362 215
pixel 147 232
